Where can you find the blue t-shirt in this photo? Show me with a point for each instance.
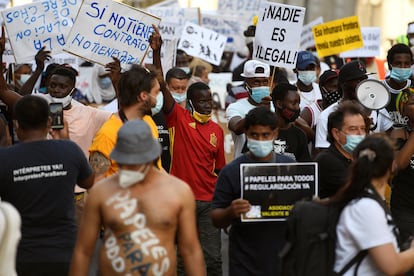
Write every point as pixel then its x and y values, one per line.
pixel 38 178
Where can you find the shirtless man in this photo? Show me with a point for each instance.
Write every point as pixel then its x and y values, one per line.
pixel 142 210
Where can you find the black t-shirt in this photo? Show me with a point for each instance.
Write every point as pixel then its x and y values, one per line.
pixel 402 196
pixel 292 142
pixel 164 139
pixel 254 246
pixel 38 179
pixel 333 170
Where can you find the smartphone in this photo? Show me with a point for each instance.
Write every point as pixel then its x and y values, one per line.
pixel 56 112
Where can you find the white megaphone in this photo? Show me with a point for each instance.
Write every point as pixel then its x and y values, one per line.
pixel 372 94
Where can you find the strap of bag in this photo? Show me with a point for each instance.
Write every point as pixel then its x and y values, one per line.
pixel 357 259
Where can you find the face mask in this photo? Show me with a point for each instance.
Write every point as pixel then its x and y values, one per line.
pixel 331 97
pixel 104 83
pixel 201 118
pixel 290 114
pixel 185 69
pixel 307 77
pixel 400 74
pixel 260 148
pixel 23 78
pixel 179 97
pixel 158 105
pixel 258 93
pixel 65 101
pixel 129 177
pixel 351 142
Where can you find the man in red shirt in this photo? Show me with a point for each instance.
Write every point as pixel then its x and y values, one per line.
pixel 197 147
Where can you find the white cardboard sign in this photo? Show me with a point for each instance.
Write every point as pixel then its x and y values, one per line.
pixel 371 37
pixel 107 29
pixel 278 33
pixel 202 43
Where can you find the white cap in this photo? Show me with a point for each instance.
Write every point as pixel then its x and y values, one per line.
pixel 255 69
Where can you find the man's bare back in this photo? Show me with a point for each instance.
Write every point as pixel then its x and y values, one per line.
pixel 141 223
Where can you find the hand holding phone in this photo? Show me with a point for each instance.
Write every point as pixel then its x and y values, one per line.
pixel 56 112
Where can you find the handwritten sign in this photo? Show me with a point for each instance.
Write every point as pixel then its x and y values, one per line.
pixel 278 33
pixel 371 36
pixel 246 9
pixel 307 40
pixel 272 189
pixel 337 36
pixel 202 43
pixel 168 49
pixel 32 26
pixel 107 29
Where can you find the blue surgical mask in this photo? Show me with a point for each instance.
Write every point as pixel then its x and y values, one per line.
pixel 307 77
pixel 104 83
pixel 400 74
pixel 158 106
pixel 260 148
pixel 179 97
pixel 258 93
pixel 23 78
pixel 352 141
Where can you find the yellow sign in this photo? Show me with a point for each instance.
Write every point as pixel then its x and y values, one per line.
pixel 337 36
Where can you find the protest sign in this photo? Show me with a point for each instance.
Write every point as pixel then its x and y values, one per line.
pixel 32 26
pixel 306 40
pixel 337 36
pixel 278 34
pixel 168 49
pixel 272 189
pixel 371 37
pixel 245 9
pixel 226 25
pixel 218 85
pixel 176 14
pixel 107 29
pixel 202 43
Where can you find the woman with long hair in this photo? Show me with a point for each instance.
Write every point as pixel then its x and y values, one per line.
pixel 365 223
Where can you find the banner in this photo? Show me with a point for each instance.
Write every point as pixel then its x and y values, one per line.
pixel 272 189
pixel 278 33
pixel 107 29
pixel 176 15
pixel 371 37
pixel 306 38
pixel 337 36
pixel 32 26
pixel 202 43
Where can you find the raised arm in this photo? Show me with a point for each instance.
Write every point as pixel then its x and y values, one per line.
pixel 40 59
pixel 114 69
pixel 8 96
pixel 155 43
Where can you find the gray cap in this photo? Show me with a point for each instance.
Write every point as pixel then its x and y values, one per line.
pixel 135 144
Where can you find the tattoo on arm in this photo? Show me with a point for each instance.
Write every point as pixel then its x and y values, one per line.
pixel 99 163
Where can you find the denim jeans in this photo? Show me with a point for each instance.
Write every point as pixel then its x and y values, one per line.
pixel 210 240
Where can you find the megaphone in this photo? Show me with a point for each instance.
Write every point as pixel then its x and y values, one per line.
pixel 372 94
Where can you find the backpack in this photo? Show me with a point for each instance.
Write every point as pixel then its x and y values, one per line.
pixel 311 240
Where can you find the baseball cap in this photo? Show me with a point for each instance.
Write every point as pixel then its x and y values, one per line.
pixel 255 69
pixel 326 76
pixel 352 71
pixel 304 59
pixel 135 144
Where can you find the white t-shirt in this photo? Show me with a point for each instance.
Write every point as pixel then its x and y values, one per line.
pixel 240 109
pixel 382 121
pixel 362 225
pixel 307 98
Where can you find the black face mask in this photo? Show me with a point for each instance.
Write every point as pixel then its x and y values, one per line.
pixel 331 97
pixel 290 115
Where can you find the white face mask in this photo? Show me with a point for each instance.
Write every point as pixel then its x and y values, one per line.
pixel 129 177
pixel 307 77
pixel 65 101
pixel 158 106
pixel 23 78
